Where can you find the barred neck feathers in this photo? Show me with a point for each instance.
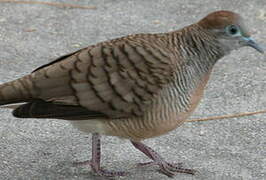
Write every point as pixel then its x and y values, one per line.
pixel 196 45
pixel 196 52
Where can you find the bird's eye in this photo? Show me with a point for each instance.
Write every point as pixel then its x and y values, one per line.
pixel 232 30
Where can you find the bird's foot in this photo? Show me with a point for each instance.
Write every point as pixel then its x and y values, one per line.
pixel 98 171
pixel 169 169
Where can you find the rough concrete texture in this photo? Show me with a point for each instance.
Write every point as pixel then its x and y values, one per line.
pixel 232 149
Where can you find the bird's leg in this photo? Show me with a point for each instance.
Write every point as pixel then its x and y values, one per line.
pixel 96 159
pixel 166 168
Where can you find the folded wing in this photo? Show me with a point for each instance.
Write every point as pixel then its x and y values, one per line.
pixel 117 79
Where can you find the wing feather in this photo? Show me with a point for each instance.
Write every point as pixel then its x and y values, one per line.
pixel 117 78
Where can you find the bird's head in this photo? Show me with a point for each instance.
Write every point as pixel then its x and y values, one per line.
pixel 230 30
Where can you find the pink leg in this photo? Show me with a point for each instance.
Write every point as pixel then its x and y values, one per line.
pixel 166 168
pixel 96 159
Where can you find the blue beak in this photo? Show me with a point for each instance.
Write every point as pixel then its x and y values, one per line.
pixel 250 42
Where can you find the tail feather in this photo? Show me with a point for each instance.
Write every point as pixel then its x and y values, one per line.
pixel 20 90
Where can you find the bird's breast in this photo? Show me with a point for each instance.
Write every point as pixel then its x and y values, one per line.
pixel 172 107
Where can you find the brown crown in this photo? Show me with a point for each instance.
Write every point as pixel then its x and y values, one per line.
pixel 219 19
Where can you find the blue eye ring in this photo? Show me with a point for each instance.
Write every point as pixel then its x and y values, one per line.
pixel 232 30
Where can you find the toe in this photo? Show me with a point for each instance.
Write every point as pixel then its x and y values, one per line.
pixel 170 169
pixel 146 164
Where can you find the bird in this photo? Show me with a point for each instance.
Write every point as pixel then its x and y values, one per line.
pixel 134 87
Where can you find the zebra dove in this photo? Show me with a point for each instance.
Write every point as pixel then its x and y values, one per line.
pixel 135 87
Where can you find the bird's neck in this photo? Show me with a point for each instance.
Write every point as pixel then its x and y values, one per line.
pixel 196 53
pixel 195 45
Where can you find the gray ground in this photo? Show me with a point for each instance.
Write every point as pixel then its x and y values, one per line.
pixel 45 149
